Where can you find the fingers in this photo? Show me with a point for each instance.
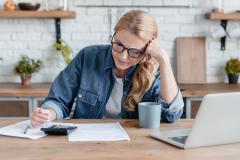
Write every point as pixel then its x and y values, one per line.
pixel 151 40
pixel 148 57
pixel 39 117
pixel 154 50
pixel 44 112
pixel 146 48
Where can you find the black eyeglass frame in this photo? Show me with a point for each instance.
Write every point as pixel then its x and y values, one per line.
pixel 141 52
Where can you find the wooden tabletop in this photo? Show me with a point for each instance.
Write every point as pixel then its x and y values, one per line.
pixel 200 90
pixel 140 147
pixel 42 89
pixel 16 89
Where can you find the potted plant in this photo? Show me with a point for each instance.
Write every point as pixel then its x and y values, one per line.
pixel 233 70
pixel 25 67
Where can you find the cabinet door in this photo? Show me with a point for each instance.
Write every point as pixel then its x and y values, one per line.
pixel 14 108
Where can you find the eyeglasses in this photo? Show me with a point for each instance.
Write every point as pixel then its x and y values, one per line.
pixel 132 52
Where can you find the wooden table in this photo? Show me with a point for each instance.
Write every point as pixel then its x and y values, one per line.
pixel 140 147
pixel 193 92
pixel 37 91
pixel 17 92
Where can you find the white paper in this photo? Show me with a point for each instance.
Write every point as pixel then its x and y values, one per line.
pixel 99 132
pixel 17 130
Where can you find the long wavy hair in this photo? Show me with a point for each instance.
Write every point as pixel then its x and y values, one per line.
pixel 144 26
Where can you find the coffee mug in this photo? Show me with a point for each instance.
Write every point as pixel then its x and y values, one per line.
pixel 149 114
pixel 217 31
pixel 234 32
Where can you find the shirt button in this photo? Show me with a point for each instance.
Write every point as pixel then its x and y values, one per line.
pixel 80 96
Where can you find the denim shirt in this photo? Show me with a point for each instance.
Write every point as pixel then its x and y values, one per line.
pixel 87 83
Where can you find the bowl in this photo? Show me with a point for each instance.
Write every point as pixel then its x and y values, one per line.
pixel 28 6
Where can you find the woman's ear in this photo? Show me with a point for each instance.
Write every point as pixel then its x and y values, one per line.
pixel 148 58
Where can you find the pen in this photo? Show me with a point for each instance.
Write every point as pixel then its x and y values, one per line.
pixel 26 129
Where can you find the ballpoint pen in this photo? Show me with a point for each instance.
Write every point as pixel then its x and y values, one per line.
pixel 26 129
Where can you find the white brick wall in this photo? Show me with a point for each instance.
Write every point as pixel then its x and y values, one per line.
pixel 36 37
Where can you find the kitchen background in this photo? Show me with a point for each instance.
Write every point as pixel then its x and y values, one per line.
pixel 94 24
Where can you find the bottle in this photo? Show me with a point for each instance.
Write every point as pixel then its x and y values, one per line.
pixel 220 7
pixel 63 5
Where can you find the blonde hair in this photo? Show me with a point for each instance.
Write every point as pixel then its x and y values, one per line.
pixel 144 26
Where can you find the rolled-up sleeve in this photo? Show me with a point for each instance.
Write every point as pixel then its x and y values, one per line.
pixel 172 111
pixel 53 106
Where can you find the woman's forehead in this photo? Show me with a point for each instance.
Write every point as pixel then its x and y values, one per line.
pixel 128 39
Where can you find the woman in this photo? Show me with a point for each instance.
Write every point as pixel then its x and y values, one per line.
pixel 108 81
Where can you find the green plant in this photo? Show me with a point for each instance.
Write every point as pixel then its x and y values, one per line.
pixel 26 66
pixel 233 66
pixel 65 50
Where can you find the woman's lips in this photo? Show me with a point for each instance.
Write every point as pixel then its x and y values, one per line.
pixel 122 62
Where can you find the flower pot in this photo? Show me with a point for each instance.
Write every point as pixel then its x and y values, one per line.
pixel 232 78
pixel 26 81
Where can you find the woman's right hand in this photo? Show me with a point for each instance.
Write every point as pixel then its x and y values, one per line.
pixel 40 116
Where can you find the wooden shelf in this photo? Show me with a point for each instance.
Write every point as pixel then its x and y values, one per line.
pixel 37 14
pixel 224 16
pixel 57 15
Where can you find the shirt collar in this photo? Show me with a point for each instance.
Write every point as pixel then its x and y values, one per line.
pixel 130 73
pixel 109 63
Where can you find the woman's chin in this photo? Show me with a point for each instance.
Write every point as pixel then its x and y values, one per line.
pixel 120 67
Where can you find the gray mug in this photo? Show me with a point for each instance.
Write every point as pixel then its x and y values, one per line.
pixel 149 114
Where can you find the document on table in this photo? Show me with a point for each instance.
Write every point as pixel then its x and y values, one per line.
pixel 99 132
pixel 18 129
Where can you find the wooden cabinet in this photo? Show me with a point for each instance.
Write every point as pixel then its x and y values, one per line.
pixel 19 101
pixel 195 92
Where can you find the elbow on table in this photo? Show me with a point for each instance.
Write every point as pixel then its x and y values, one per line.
pixel 171 118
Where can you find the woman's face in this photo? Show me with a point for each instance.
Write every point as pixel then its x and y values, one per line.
pixel 125 58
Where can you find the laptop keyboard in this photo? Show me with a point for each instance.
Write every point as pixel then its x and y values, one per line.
pixel 180 139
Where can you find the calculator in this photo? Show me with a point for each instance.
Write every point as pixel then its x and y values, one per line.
pixel 58 129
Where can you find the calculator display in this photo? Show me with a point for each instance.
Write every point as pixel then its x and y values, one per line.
pixel 60 126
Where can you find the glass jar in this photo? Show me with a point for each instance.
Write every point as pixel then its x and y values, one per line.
pixel 45 5
pixel 50 5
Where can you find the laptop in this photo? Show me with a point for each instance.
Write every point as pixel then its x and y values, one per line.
pixel 217 122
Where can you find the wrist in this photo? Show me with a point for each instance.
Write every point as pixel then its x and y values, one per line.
pixel 53 114
pixel 164 61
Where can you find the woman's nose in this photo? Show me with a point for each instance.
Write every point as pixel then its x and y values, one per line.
pixel 124 54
